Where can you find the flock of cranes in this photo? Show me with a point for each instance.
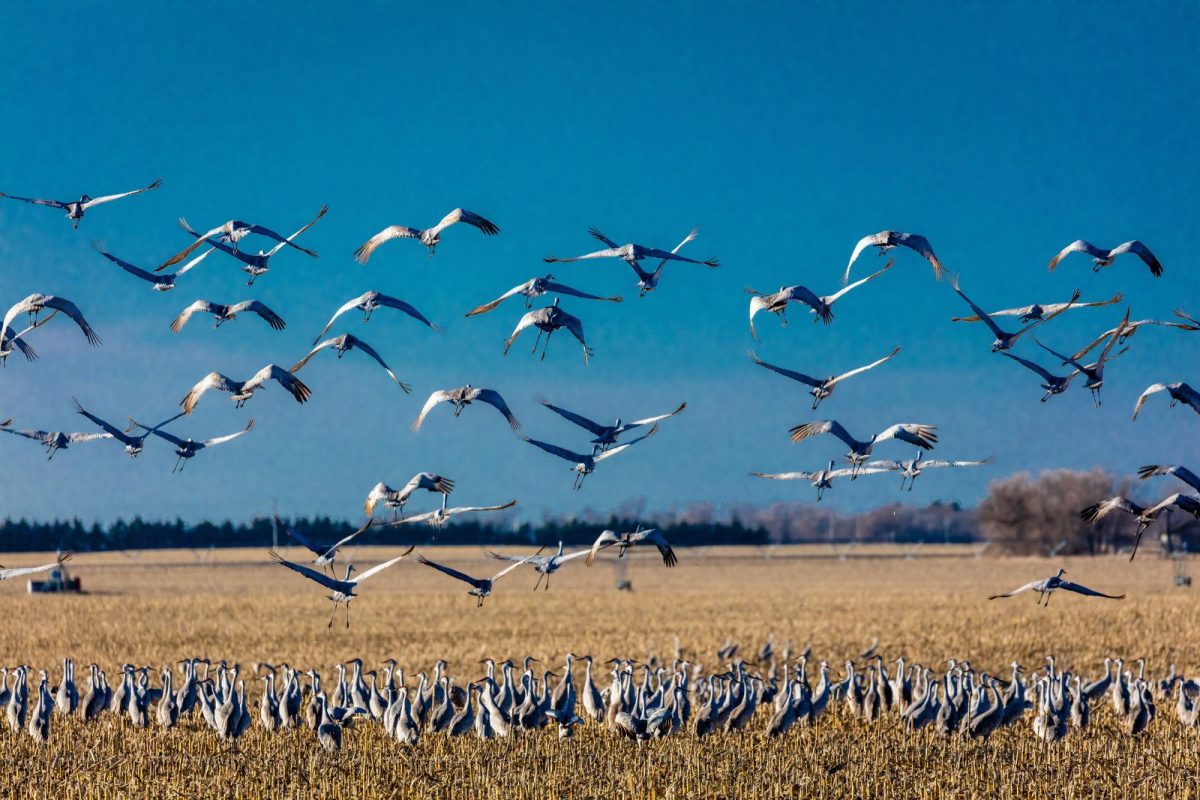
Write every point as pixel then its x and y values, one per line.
pixel 769 695
pixel 607 439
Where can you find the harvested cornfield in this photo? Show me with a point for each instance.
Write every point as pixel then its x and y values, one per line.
pixel 156 608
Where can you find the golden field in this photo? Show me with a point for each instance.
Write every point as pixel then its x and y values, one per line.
pixel 157 607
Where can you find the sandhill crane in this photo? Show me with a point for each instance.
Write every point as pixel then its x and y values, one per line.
pixel 223 313
pixel 1053 384
pixel 231 233
pixel 1126 330
pixel 242 391
pixel 343 590
pixel 430 237
pixel 821 388
pixel 370 302
pixel 1179 393
pixel 632 254
pixel 76 209
pixel 1145 516
pixel 911 469
pixel 820 307
pixel 1102 258
pixel 253 264
pixel 584 464
pixel 186 449
pixel 536 287
pixel 627 539
pixel 1182 473
pixel 34 304
pixel 461 398
pixel 326 555
pixel 1094 372
pixel 54 440
pixel 886 240
pixel 923 436
pixel 821 479
pixel 548 320
pixel 160 283
pixel 481 587
pixel 348 341
pixel 544 565
pixel 1039 310
pixel 11 339
pixel 606 436
pixel 17 572
pixel 1005 340
pixel 396 499
pixel 133 444
pixel 1047 586
pixel 440 516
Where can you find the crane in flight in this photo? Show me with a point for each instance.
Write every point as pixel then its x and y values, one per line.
pixel 821 387
pixel 605 436
pixel 480 587
pixel 342 590
pixel 430 237
pixel 77 208
pixel 1048 586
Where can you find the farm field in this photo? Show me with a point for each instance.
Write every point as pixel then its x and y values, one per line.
pixel 154 608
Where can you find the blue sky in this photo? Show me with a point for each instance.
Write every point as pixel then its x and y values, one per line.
pixel 785 132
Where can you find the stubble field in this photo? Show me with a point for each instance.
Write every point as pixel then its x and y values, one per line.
pixel 155 608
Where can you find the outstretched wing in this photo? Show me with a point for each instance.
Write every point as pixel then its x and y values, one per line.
pixel 787 476
pixel 453 573
pixel 923 436
pixel 562 288
pixel 628 426
pixel 300 364
pixel 511 567
pixel 271 318
pixel 35 201
pixel 595 233
pixel 440 396
pixel 393 302
pixel 486 307
pixel 1145 473
pixel 593 427
pixel 285 379
pixel 378 567
pixel 222 439
pixel 304 540
pixel 125 265
pixel 810 429
pixel 870 366
pixel 349 304
pixel 366 348
pixel 288 240
pixel 493 398
pixel 787 373
pixel 1024 588
pixel 1142 252
pixel 1080 589
pixel 605 539
pixel 655 537
pixel 72 311
pixel 104 426
pixel 17 572
pixel 554 449
pixel 979 312
pixel 831 299
pixel 1077 246
pixel 202 306
pixel 1141 401
pixel 362 254
pixel 213 380
pixel 469 217
pixel 108 198
pixel 311 574
pixel 612 451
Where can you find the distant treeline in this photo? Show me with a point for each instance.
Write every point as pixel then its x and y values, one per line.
pixel 139 534
pixel 1021 514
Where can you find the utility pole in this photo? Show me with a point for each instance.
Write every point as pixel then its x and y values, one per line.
pixel 274 523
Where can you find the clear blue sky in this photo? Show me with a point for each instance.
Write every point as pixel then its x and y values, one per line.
pixel 784 131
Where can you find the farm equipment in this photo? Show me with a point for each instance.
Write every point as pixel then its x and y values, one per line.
pixel 57 581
